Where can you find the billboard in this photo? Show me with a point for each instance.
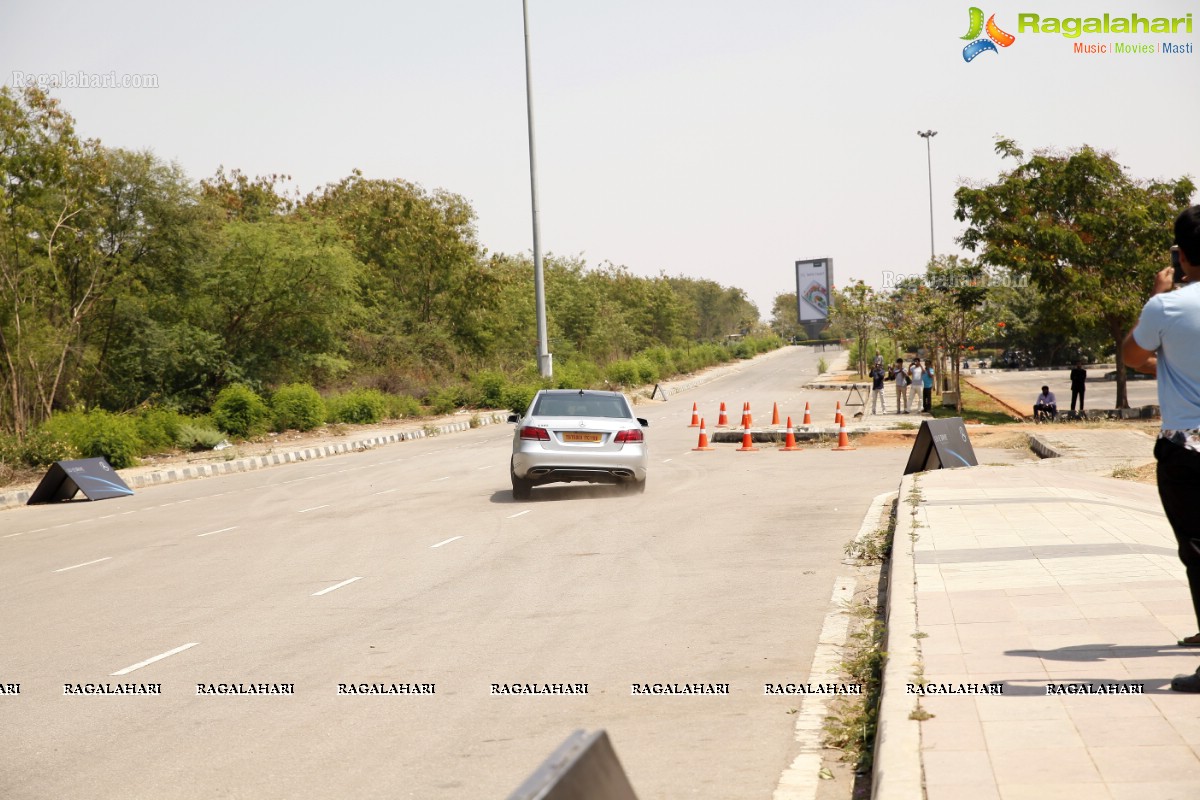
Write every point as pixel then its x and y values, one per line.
pixel 814 278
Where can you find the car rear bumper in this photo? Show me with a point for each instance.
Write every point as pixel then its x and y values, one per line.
pixel 554 467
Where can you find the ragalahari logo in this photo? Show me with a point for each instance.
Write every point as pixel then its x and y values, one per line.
pixel 995 36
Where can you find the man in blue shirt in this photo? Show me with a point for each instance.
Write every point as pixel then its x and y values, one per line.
pixel 1164 343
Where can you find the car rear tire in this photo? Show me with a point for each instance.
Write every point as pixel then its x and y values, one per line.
pixel 522 489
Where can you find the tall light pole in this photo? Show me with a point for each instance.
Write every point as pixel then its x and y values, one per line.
pixel 544 362
pixel 927 135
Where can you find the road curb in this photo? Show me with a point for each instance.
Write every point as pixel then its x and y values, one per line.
pixel 165 476
pixel 897 770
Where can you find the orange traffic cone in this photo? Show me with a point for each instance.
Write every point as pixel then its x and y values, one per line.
pixel 749 416
pixel 843 439
pixel 838 412
pixel 807 415
pixel 702 444
pixel 747 442
pixel 775 414
pixel 695 417
pixel 745 415
pixel 790 443
pixel 723 420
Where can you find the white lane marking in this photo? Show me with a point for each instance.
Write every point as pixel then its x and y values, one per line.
pixel 448 541
pixel 107 516
pixel 314 508
pixel 222 530
pixel 337 586
pixel 520 514
pixel 479 468
pixel 435 480
pixel 668 460
pixel 22 533
pixel 65 524
pixel 388 491
pixel 124 513
pixel 84 564
pixel 802 777
pixel 150 661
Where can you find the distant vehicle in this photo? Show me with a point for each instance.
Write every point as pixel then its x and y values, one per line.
pixel 1014 358
pixel 578 435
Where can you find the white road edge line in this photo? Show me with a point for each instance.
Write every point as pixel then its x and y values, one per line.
pixel 150 661
pixel 84 564
pixel 448 541
pixel 222 530
pixel 801 779
pixel 336 586
pixel 314 508
pixel 520 513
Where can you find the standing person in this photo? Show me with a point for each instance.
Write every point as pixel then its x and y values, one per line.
pixel 901 378
pixel 1164 344
pixel 916 380
pixel 1078 386
pixel 878 376
pixel 1046 405
pixel 927 388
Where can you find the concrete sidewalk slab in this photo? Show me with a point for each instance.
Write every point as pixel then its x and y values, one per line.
pixel 1049 584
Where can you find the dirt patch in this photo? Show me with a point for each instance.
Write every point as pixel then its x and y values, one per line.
pixel 885 439
pixel 1147 473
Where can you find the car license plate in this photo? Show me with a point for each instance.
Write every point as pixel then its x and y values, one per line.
pixel 581 437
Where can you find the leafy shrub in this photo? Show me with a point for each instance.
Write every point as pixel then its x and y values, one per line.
pixel 192 436
pixel 518 397
pixel 623 372
pixel 647 370
pixel 358 407
pixel 297 406
pixel 158 429
pixel 109 436
pixel 402 406
pixel 445 400
pixel 489 389
pixel 576 374
pixel 239 411
pixel 39 448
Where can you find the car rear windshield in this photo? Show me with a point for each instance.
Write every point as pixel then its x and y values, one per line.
pixel 574 405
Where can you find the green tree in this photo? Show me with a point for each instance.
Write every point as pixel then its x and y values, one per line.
pixel 953 311
pixel 785 316
pixel 855 312
pixel 1088 234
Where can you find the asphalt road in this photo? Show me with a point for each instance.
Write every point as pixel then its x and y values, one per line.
pixel 411 564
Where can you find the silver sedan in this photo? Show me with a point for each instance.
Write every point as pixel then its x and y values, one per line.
pixel 578 435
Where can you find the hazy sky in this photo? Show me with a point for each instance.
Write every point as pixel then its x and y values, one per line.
pixel 714 140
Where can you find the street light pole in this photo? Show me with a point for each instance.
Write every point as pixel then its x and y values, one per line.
pixel 544 361
pixel 927 135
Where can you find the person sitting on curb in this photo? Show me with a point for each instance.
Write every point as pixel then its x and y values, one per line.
pixel 1046 406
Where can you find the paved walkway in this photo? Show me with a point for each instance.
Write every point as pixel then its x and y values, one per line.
pixel 1046 582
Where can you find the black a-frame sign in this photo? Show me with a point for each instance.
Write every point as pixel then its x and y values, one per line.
pixel 94 477
pixel 941 444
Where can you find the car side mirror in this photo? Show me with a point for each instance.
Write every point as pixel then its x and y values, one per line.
pixel 514 417
pixel 645 423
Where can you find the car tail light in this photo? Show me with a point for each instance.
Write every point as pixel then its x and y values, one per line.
pixel 535 434
pixel 631 435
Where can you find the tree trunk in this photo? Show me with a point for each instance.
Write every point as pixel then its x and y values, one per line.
pixel 1122 389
